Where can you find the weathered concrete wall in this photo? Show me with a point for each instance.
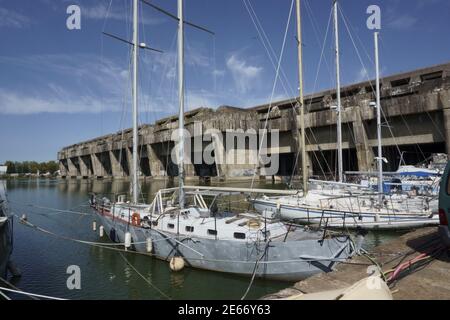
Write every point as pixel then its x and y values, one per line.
pixel 416 106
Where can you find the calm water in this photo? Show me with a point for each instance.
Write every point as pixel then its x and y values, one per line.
pixel 44 259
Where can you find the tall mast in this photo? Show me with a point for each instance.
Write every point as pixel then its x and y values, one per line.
pixel 135 181
pixel 301 99
pixel 181 101
pixel 338 94
pixel 378 106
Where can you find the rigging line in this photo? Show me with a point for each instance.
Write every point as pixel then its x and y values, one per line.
pixel 367 74
pixel 267 45
pixel 176 17
pixel 123 116
pixel 386 121
pixel 102 62
pixel 264 39
pixel 435 125
pixel 407 126
pixel 354 45
pixel 214 65
pixel 273 88
pixel 314 89
pixel 167 63
pixel 315 29
pixel 411 133
pixel 358 38
pixel 143 277
pixel 196 73
pixel 308 140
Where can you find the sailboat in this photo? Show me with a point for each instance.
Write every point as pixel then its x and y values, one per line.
pixel 183 226
pixel 344 205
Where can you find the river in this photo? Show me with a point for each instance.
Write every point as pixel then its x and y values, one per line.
pixel 105 274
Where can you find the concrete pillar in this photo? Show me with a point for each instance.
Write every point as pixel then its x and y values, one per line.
pixel 116 167
pixel 219 155
pixel 73 170
pixel 129 155
pixel 189 170
pixel 62 167
pixel 309 164
pixel 156 165
pixel 97 166
pixel 364 151
pixel 445 102
pixel 84 169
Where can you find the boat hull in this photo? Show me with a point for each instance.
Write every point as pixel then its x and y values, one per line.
pixel 343 220
pixel 284 261
pixel 5 247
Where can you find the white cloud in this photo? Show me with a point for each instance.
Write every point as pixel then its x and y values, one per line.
pixel 218 73
pixel 19 103
pixel 201 99
pixel 90 85
pixel 13 19
pixel 363 75
pixel 244 74
pixel 102 11
pixel 403 22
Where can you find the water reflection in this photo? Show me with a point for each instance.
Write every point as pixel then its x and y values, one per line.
pixel 105 274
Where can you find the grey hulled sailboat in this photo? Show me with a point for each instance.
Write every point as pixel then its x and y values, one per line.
pixel 182 225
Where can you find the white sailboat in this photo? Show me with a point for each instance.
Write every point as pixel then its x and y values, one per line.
pixel 182 226
pixel 344 205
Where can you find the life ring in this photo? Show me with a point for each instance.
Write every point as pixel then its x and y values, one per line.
pixel 136 219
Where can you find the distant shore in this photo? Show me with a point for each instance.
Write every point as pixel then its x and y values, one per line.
pixel 27 176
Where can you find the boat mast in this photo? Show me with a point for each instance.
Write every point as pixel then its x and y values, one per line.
pixel 338 94
pixel 181 102
pixel 135 181
pixel 378 106
pixel 301 98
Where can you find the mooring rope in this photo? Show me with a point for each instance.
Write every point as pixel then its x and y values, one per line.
pixel 52 209
pixel 255 269
pixel 30 294
pixel 14 287
pixel 144 278
pixel 5 296
pixel 101 245
pixel 95 244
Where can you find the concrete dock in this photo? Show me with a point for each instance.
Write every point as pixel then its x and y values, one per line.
pixel 428 282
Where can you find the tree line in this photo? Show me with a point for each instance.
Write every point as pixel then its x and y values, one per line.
pixel 15 167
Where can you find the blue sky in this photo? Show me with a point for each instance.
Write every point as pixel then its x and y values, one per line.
pixel 59 87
